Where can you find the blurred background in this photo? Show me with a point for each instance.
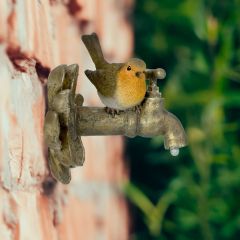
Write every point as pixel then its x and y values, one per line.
pixel 197 194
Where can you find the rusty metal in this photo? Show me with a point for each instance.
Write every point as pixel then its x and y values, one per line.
pixel 67 120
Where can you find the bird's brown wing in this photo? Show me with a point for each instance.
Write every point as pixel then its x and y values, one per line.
pixel 103 80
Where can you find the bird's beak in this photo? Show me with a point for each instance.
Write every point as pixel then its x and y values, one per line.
pixel 138 74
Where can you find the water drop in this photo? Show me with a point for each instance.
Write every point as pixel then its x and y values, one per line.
pixel 174 151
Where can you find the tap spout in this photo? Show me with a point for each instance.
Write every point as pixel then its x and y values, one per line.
pixel 174 134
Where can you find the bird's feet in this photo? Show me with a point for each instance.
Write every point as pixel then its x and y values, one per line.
pixel 137 109
pixel 112 111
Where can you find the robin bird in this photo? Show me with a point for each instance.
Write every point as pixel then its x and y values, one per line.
pixel 120 86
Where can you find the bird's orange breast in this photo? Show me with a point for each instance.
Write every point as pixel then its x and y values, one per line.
pixel 130 90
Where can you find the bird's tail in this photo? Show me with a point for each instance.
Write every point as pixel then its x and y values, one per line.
pixel 94 48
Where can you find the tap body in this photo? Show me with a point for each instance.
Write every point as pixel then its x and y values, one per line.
pixel 67 120
pixel 153 120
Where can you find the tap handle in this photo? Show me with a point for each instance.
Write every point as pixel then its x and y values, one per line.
pixel 157 73
pixel 154 74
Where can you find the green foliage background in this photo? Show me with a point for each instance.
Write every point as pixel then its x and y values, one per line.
pixel 197 194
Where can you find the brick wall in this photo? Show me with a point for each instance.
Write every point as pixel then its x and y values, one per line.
pixel 36 36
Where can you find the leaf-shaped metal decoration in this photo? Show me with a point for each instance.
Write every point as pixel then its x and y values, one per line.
pixel 65 147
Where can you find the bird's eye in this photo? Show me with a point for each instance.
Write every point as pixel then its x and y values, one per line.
pixel 129 68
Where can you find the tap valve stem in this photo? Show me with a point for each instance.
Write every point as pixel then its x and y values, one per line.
pixel 153 75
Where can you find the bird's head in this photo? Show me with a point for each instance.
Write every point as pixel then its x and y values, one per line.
pixel 134 68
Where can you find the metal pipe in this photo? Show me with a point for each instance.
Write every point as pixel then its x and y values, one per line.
pixel 94 121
